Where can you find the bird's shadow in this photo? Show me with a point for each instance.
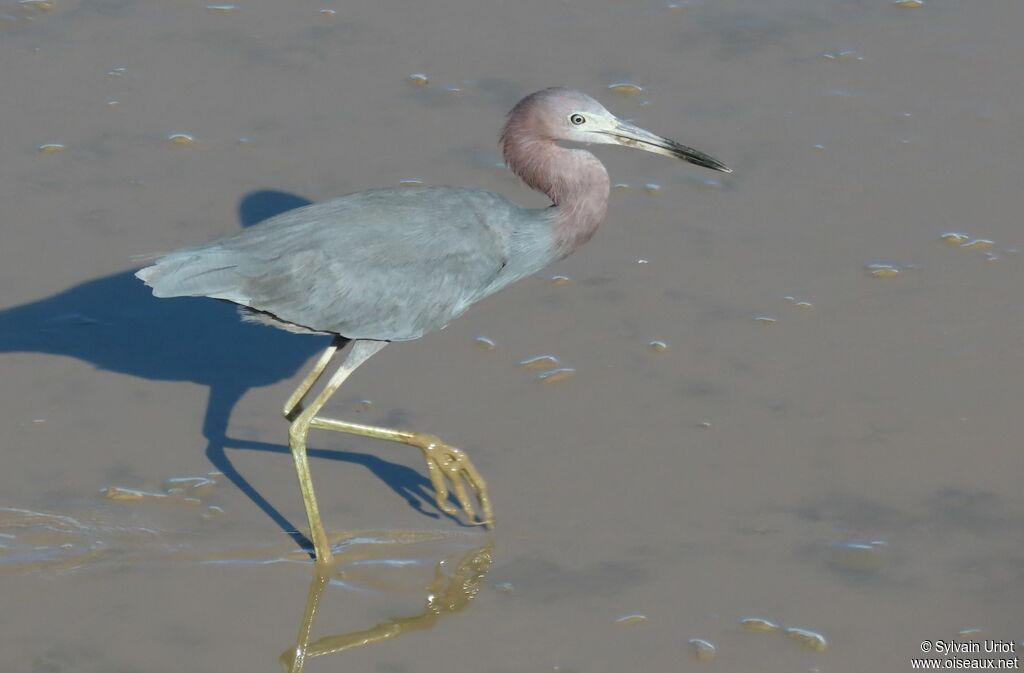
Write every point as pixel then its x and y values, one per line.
pixel 116 324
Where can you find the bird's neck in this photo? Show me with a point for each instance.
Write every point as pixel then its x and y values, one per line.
pixel 576 182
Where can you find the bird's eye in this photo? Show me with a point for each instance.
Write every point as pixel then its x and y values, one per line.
pixel 577 119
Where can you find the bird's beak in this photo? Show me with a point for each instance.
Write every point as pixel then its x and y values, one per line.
pixel 629 135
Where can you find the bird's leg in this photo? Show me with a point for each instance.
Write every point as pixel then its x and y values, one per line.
pixel 443 462
pixel 293 406
pixel 299 430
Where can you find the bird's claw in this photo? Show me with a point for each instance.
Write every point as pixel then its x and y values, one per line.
pixel 447 464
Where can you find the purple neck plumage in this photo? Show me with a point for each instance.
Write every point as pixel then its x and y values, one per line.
pixel 575 180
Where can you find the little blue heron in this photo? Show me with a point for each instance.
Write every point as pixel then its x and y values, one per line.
pixel 393 264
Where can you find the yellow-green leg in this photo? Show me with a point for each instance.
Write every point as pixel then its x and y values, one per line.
pixel 443 461
pixel 294 404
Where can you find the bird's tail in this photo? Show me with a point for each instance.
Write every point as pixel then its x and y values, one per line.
pixel 191 273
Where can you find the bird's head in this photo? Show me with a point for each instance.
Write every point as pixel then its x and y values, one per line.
pixel 565 114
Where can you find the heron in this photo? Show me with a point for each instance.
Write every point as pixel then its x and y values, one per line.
pixel 393 264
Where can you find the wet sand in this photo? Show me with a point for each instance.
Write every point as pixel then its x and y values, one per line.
pixel 851 467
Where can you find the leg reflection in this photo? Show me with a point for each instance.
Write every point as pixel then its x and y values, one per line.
pixel 449 592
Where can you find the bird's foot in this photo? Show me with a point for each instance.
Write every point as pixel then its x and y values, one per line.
pixel 447 464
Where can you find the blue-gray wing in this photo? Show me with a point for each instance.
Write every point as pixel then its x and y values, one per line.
pixel 388 264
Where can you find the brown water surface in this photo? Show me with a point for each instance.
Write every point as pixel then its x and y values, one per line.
pixel 826 442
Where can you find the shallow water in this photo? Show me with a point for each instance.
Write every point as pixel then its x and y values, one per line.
pixel 825 440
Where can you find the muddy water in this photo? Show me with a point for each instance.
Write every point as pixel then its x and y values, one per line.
pixel 758 424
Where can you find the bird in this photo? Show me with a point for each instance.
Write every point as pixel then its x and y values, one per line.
pixel 392 264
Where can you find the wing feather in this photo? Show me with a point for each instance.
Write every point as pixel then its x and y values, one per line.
pixel 386 264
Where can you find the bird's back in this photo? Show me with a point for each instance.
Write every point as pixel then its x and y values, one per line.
pixel 387 264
